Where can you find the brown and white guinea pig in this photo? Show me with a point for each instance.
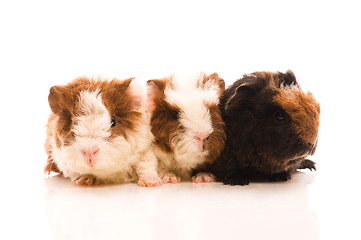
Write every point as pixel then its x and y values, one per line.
pixel 271 126
pixel 99 132
pixel 186 123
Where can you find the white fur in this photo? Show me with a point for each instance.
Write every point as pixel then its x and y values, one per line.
pixel 290 87
pixel 194 116
pixel 118 160
pixel 95 120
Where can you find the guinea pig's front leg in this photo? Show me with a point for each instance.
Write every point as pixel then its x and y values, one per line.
pixel 278 177
pixel 51 167
pixel 306 163
pixel 169 177
pixel 235 177
pixel 203 177
pixel 146 169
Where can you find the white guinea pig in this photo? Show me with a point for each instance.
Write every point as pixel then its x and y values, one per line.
pixel 187 124
pixel 99 132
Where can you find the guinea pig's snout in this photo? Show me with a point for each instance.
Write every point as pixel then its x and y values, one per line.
pixel 308 148
pixel 312 148
pixel 90 155
pixel 201 139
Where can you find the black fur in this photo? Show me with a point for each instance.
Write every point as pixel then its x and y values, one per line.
pixel 261 144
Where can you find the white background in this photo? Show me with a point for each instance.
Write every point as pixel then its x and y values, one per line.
pixel 44 43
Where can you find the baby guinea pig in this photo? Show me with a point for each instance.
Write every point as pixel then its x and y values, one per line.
pixel 271 126
pixel 186 123
pixel 99 132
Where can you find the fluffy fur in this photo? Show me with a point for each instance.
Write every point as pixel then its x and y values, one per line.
pixel 186 123
pixel 99 132
pixel 271 126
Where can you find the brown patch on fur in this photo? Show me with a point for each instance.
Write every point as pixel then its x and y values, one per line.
pixel 164 120
pixel 216 141
pixel 304 112
pixel 50 130
pixel 219 81
pixel 121 106
pixel 212 78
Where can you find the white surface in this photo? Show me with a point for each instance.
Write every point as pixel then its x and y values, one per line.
pixel 44 43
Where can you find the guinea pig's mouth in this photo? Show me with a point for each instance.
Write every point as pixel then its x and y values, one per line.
pixel 302 150
pixel 293 162
pixel 290 162
pixel 296 160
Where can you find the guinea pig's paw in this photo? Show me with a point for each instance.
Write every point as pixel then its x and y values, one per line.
pixel 203 177
pixel 281 176
pixel 85 180
pixel 50 167
pixel 47 168
pixel 236 181
pixel 235 178
pixel 170 177
pixel 149 182
pixel 307 164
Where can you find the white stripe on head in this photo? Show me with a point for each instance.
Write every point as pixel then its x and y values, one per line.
pixel 193 98
pixel 94 120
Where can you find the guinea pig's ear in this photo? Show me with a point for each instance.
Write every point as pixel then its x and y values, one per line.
pixel 135 91
pixel 240 95
pixel 236 97
pixel 56 98
pixel 214 78
pixel 155 92
pixel 287 79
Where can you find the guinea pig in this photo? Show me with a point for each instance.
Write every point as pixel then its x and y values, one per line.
pixel 186 123
pixel 271 126
pixel 98 132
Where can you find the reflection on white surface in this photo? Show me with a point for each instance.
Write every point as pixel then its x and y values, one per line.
pixel 181 211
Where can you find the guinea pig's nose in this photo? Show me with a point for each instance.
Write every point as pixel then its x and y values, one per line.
pixel 201 139
pixel 312 148
pixel 90 154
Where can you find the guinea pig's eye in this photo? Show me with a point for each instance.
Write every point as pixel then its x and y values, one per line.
pixel 280 116
pixel 112 124
pixel 175 115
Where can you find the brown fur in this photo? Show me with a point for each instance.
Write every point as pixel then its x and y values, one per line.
pixel 164 120
pixel 121 107
pixel 304 112
pixel 216 140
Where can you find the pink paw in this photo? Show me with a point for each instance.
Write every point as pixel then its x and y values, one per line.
pixel 47 168
pixel 170 178
pixel 149 182
pixel 203 177
pixel 85 180
pixel 51 167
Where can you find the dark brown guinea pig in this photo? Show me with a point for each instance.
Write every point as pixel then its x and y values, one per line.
pixel 271 126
